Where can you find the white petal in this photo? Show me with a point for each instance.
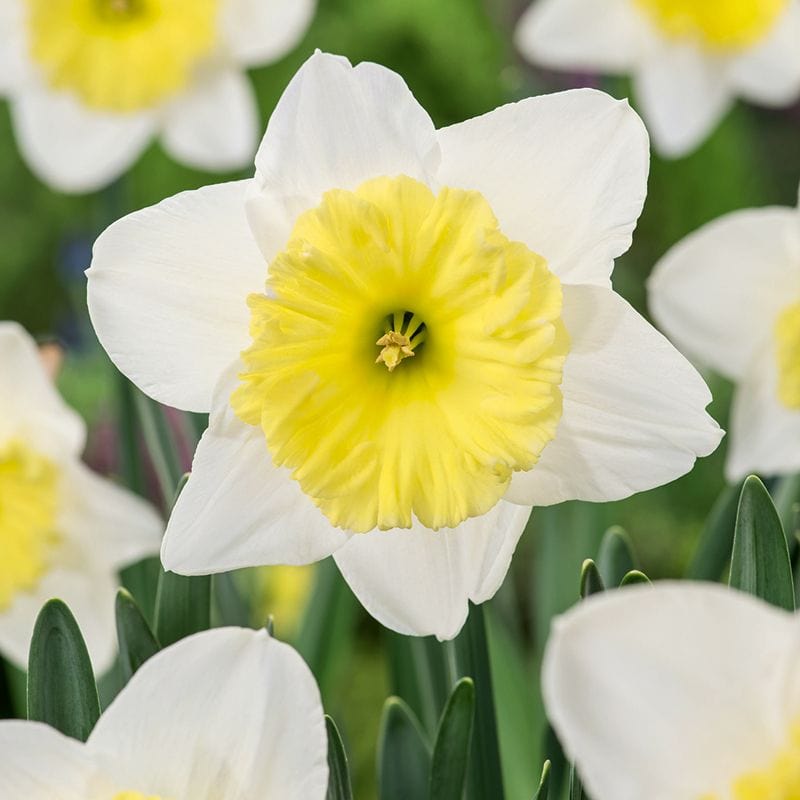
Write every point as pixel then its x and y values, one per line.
pixel 225 713
pixel 73 148
pixel 14 62
pixel 682 94
pixel 31 408
pixel 336 126
pixel 168 292
pixel 259 32
pixel 90 597
pixel 765 434
pixel 418 582
pixel 633 413
pixel 565 173
pixel 770 73
pixel 39 763
pixel 717 293
pixel 113 526
pixel 213 126
pixel 671 691
pixel 238 509
pixel 583 35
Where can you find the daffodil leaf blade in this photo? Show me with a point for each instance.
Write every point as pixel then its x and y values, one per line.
pixel 339 787
pixel 61 686
pixel 183 606
pixel 591 581
pixel 633 577
pixel 787 502
pixel 137 642
pixel 615 558
pixel 575 786
pixel 716 541
pixel 451 748
pixel 760 563
pixel 543 790
pixel 404 756
pixel 229 603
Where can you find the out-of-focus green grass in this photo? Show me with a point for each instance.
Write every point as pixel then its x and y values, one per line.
pixel 457 57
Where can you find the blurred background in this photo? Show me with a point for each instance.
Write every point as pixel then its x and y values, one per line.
pixel 459 60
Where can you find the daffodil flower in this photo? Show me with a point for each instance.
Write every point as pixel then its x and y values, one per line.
pixel 729 296
pixel 689 59
pixel 64 531
pixel 677 692
pixel 438 347
pixel 228 713
pixel 91 82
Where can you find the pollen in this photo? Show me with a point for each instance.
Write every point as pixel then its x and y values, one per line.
pixel 715 24
pixel 787 339
pixel 465 388
pixel 121 55
pixel 28 502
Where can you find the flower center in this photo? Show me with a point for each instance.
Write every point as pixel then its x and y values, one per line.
pixel 717 24
pixel 28 502
pixel 121 55
pixel 465 388
pixel 787 339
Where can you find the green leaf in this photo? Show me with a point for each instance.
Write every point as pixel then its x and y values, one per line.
pixel 591 582
pixel 615 557
pixel 760 563
pixel 451 750
pixel 136 641
pixel 544 783
pixel 633 577
pixel 484 775
pixel 714 549
pixel 575 785
pixel 61 686
pixel 339 774
pixel 183 606
pixel 787 501
pixel 404 757
pixel 230 604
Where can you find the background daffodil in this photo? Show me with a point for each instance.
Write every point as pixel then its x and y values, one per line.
pixel 677 692
pixel 227 713
pixel 689 59
pixel 438 347
pixel 91 82
pixel 729 296
pixel 64 531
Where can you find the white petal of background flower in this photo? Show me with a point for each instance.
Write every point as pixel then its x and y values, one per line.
pixel 238 509
pixel 73 148
pixel 259 31
pixel 39 763
pixel 583 34
pixel 228 713
pixel 213 125
pixel 671 691
pixel 419 582
pixel 565 173
pixel 30 406
pixel 14 67
pixel 633 409
pixel 718 292
pixel 168 292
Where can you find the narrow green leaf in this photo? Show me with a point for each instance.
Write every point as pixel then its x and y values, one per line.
pixel 183 606
pixel 591 582
pixel 484 774
pixel 760 563
pixel 339 774
pixel 615 557
pixel 451 750
pixel 559 767
pixel 61 686
pixel 787 501
pixel 141 580
pixel 544 783
pixel 230 605
pixel 404 758
pixel 575 785
pixel 633 577
pixel 136 641
pixel 714 548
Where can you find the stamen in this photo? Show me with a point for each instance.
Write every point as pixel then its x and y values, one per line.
pixel 404 332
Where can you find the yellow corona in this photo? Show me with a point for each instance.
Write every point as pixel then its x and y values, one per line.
pixel 787 337
pixel 121 55
pixel 717 24
pixel 406 357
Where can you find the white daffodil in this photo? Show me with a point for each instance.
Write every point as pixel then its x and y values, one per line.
pixel 438 340
pixel 91 82
pixel 229 713
pixel 689 59
pixel 64 531
pixel 729 296
pixel 677 692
